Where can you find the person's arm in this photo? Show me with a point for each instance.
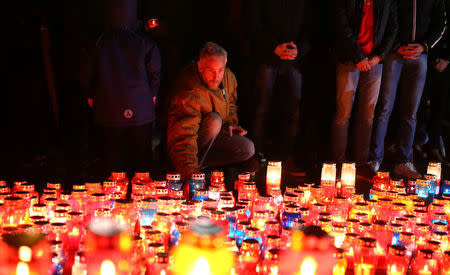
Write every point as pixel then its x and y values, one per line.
pixel 390 33
pixel 153 65
pixel 346 39
pixel 437 27
pixel 184 119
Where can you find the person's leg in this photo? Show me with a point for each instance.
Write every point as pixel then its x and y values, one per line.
pixel 369 88
pixel 412 84
pixel 392 69
pixel 264 85
pixel 210 127
pixel 347 76
pixel 111 142
pixel 439 92
pixel 228 150
pixel 290 95
pixel 141 145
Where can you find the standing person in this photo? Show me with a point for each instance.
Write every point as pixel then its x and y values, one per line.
pixel 439 93
pixel 278 31
pixel 421 26
pixel 121 75
pixel 203 129
pixel 366 32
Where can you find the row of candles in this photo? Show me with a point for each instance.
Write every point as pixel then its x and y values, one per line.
pixel 400 228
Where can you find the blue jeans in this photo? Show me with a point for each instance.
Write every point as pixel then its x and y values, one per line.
pixel 349 80
pixel 409 76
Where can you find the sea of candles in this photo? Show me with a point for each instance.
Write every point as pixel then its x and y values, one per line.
pixel 402 228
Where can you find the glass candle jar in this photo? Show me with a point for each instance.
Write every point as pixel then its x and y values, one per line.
pixel 395 229
pixel 382 181
pixel 397 261
pixel 148 208
pixel 339 211
pixel 424 263
pixel 423 188
pixel 240 232
pixel 445 263
pixel 435 168
pixel 348 174
pixel 328 172
pixel 174 181
pixel 290 213
pixel 273 177
pixel 365 259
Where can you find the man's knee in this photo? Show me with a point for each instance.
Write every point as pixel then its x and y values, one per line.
pixel 247 150
pixel 212 123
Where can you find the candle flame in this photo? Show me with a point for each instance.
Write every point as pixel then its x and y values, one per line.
pixel 308 267
pixel 201 267
pixel 22 269
pixel 425 268
pixel 11 220
pixel 25 253
pixel 163 272
pixel 274 270
pixel 107 268
pixel 393 269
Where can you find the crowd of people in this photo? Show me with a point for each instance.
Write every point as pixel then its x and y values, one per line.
pixel 287 64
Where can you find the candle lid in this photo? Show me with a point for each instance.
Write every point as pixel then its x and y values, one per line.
pixel 426 253
pixel 367 242
pixel 162 258
pixel 397 250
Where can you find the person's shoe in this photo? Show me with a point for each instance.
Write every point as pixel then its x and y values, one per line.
pixel 291 168
pixel 407 170
pixel 260 157
pixel 374 166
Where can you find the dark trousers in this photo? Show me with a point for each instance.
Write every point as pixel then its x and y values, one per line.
pixel 217 148
pixel 439 89
pixel 126 148
pixel 289 78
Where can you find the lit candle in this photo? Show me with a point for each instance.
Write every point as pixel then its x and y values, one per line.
pixel 328 172
pixel 273 178
pixel 425 271
pixel 348 174
pixel 107 268
pixel 364 269
pixel 308 266
pixel 393 270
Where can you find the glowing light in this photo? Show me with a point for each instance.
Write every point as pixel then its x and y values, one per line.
pixel 25 253
pixel 22 269
pixel 308 267
pixel 163 272
pixel 201 267
pixel 107 268
pixel 274 270
pixel 75 231
pixel 339 240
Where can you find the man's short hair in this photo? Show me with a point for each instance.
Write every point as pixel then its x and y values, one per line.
pixel 212 49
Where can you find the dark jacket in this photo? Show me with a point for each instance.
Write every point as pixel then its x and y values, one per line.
pixel 348 22
pixel 430 21
pixel 121 72
pixel 442 48
pixel 273 22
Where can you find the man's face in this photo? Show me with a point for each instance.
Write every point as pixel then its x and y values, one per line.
pixel 211 69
